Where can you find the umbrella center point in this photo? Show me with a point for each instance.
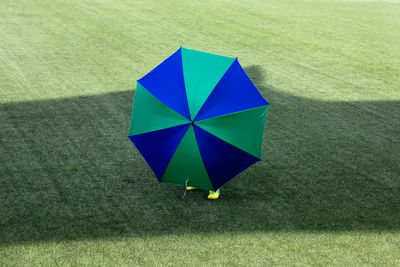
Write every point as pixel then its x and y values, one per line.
pixel 191 122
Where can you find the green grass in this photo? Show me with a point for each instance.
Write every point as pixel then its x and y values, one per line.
pixel 74 190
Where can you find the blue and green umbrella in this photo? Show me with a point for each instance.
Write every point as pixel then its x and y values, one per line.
pixel 198 120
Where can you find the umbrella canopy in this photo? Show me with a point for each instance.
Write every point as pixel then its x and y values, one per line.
pixel 198 118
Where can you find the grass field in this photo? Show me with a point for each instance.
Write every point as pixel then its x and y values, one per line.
pixel 74 190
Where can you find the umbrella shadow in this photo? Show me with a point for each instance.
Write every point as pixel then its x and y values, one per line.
pixel 68 171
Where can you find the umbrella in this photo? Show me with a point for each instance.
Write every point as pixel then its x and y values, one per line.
pixel 198 120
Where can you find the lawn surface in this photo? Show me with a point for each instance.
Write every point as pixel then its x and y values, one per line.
pixel 74 190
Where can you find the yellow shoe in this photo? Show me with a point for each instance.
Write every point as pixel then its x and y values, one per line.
pixel 214 194
pixel 189 188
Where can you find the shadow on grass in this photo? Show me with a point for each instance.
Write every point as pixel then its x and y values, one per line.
pixel 68 171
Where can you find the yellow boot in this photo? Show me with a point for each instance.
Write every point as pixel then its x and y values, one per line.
pixel 190 188
pixel 214 194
